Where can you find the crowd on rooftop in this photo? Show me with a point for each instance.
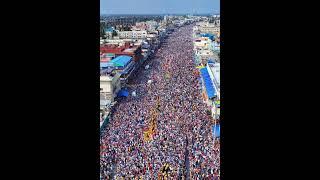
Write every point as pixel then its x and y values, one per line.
pixel 182 141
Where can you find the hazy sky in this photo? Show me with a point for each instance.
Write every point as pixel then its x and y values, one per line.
pixel 158 6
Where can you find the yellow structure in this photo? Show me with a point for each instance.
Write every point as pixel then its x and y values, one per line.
pixel 164 171
pixel 149 133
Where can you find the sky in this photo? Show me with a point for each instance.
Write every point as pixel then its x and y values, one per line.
pixel 159 6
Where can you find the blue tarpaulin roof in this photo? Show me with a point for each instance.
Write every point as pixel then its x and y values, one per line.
pixel 123 93
pixel 121 61
pixel 210 36
pixel 216 130
pixel 208 83
pixel 109 29
pixel 105 64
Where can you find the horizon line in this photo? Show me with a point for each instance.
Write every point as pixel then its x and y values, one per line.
pixel 155 13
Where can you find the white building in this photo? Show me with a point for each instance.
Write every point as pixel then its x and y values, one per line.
pixel 132 34
pixel 109 87
pixel 151 25
pixel 206 27
pixel 215 46
pixel 202 43
pixel 214 72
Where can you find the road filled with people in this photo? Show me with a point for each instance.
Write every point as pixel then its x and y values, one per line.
pixel 164 131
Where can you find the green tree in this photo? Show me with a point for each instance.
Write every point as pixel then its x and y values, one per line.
pixel 127 28
pixel 114 33
pixel 102 29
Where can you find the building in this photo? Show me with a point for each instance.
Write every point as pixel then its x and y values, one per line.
pixel 216 19
pixel 216 46
pixel 119 63
pixel 148 26
pixel 145 50
pixel 140 26
pixel 151 25
pixel 133 50
pixel 210 94
pixel 204 48
pixel 208 35
pixel 124 65
pixel 103 103
pixel 106 57
pixel 132 34
pixel 123 48
pixel 202 43
pixel 203 56
pixel 109 33
pixel 165 18
pixel 206 27
pixel 109 87
pixel 214 73
pixel 209 29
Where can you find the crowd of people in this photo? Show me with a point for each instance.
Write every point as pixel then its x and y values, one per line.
pixel 182 141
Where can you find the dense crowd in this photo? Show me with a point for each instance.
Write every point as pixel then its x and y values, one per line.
pixel 183 137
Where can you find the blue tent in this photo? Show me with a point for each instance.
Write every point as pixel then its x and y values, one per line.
pixel 208 83
pixel 123 93
pixel 216 130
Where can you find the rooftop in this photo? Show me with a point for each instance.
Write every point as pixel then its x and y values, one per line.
pixel 121 60
pixel 110 29
pixel 130 50
pixel 105 78
pixel 118 49
pixel 215 68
